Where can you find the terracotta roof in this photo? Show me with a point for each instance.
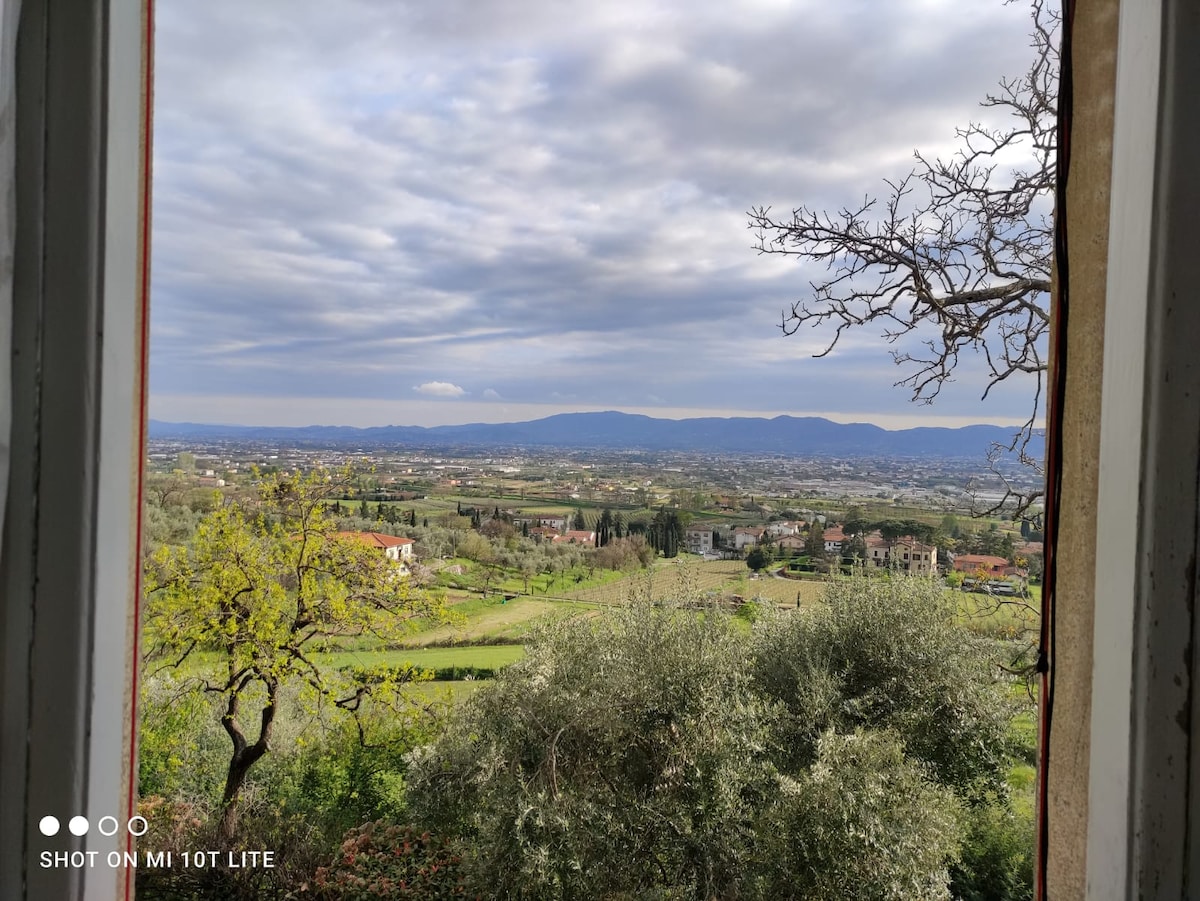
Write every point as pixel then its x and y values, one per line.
pixel 983 559
pixel 912 544
pixel 376 539
pixel 577 535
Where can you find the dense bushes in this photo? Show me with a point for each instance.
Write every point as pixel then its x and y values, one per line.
pixel 864 822
pixel 299 803
pixel 858 750
pixel 889 654
pixel 437 674
pixel 855 750
pixel 617 750
pixel 996 861
pixel 388 861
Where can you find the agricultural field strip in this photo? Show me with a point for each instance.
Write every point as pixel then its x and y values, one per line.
pixel 725 576
pixel 510 620
pixel 491 656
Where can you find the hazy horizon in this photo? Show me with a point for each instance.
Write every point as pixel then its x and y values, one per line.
pixel 494 414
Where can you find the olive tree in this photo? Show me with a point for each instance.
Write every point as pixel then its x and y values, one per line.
pixel 863 822
pixel 887 653
pixel 658 752
pixel 622 757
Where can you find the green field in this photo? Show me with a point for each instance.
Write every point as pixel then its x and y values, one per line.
pixel 785 591
pixel 492 620
pixel 690 577
pixel 444 692
pixel 1001 617
pixel 489 656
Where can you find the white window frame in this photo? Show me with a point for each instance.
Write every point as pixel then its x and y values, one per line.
pixel 69 563
pixel 69 559
pixel 1143 798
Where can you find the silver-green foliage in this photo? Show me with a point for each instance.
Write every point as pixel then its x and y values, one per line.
pixel 863 822
pixel 654 752
pixel 622 757
pixel 887 654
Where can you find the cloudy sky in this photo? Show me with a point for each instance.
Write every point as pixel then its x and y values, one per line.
pixel 416 212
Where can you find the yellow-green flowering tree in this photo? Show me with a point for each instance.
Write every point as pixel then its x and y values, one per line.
pixel 243 610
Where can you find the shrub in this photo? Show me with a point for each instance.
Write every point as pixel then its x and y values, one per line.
pixel 339 778
pixel 863 822
pixel 404 673
pixel 653 753
pixel 621 756
pixel 888 654
pixel 182 750
pixel 996 863
pixel 382 861
pixel 177 826
pixel 299 804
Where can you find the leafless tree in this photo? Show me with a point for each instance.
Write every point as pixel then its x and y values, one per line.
pixel 956 254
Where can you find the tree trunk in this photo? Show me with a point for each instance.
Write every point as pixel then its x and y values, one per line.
pixel 234 779
pixel 244 756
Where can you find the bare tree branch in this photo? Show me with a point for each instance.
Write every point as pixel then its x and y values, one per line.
pixel 956 254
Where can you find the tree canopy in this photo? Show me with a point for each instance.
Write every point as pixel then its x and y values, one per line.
pixel 657 752
pixel 239 610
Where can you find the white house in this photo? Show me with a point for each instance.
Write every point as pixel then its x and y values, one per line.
pixel 746 537
pixel 394 548
pixel 782 527
pixel 834 539
pixel 906 553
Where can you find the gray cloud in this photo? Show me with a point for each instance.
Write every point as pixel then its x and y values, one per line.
pixel 534 201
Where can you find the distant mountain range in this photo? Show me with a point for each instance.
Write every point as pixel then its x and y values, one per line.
pixel 804 436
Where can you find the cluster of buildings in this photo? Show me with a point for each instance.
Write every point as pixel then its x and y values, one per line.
pixel 554 529
pixel 903 553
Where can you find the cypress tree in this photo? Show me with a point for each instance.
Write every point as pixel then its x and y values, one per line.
pixel 604 528
pixel 814 544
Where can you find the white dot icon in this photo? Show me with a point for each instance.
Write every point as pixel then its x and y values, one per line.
pixel 78 825
pixel 49 825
